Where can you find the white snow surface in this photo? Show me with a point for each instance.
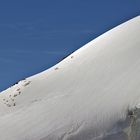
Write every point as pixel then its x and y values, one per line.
pixel 81 98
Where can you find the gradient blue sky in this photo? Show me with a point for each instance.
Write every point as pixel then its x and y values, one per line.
pixel 36 34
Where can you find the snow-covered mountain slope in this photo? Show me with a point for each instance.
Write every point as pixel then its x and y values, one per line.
pixel 84 97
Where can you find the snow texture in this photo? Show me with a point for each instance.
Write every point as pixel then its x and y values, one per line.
pixel 84 97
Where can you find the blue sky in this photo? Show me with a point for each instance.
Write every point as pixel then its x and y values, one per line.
pixel 36 34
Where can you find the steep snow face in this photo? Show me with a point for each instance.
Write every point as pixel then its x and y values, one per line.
pixel 84 97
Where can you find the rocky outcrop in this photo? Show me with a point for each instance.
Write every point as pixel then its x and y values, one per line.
pixel 134 128
pixel 130 127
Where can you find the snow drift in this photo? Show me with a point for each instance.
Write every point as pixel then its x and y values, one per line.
pixel 86 96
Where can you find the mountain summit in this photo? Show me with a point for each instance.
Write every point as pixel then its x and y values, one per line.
pixel 93 94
